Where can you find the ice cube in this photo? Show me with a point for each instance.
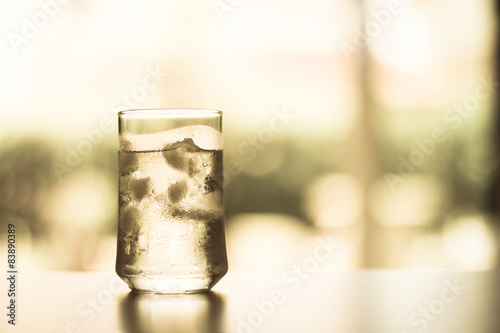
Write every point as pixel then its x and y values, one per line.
pixel 125 144
pixel 175 153
pixel 177 191
pixel 124 199
pixel 129 220
pixel 193 213
pixel 175 159
pixel 186 144
pixel 128 163
pixel 140 187
pixel 211 185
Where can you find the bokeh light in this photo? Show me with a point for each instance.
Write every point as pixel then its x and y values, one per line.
pixel 83 188
pixel 263 241
pixel 332 167
pixel 415 201
pixel 334 200
pixel 471 242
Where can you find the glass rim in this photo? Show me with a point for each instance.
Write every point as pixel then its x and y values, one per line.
pixel 179 112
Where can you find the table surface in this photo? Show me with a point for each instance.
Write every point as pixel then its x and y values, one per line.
pixel 389 301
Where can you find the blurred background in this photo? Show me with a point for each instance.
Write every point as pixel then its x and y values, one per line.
pixel 370 123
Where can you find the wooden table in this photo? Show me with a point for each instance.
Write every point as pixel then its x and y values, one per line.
pixel 365 301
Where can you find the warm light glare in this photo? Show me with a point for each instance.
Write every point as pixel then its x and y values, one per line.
pixel 406 45
pixel 263 241
pixel 334 200
pixel 319 124
pixel 428 251
pixel 415 201
pixel 258 27
pixel 83 200
pixel 470 242
pixel 270 159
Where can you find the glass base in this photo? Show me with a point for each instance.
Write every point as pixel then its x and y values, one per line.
pixel 161 284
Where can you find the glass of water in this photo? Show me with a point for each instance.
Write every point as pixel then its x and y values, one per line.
pixel 171 236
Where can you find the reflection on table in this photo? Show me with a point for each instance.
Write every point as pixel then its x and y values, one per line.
pixel 172 313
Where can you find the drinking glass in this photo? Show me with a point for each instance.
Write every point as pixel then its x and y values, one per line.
pixel 171 236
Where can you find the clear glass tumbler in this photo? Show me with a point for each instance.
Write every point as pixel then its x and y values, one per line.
pixel 171 236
